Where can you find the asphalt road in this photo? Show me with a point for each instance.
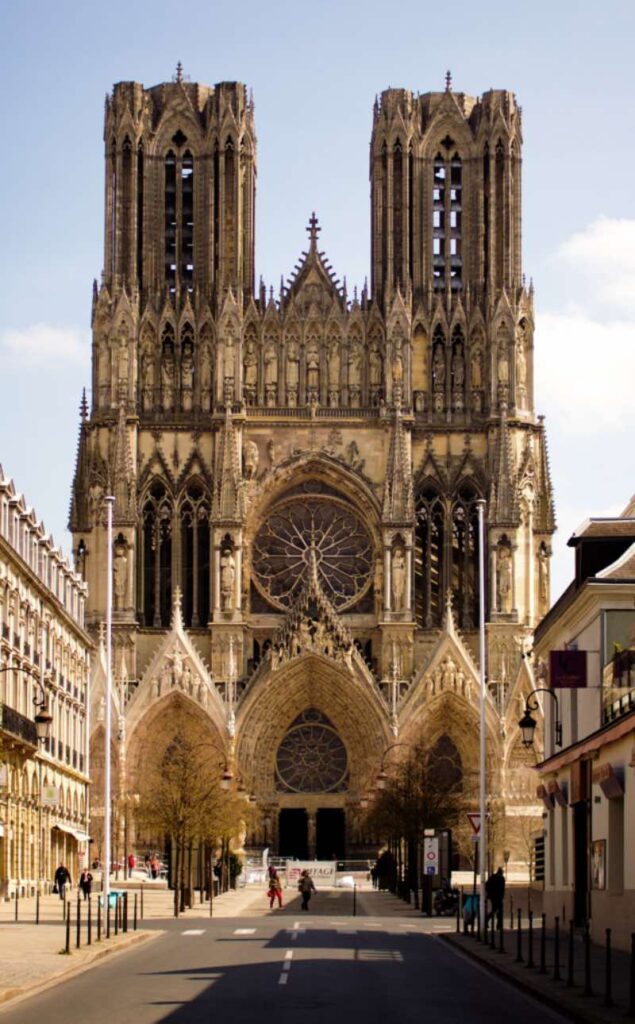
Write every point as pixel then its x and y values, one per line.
pixel 286 968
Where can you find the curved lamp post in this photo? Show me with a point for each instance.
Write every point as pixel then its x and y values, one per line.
pixel 527 723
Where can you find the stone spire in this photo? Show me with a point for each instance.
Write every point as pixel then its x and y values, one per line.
pixel 121 480
pixel 546 510
pixel 228 498
pixel 78 515
pixel 398 495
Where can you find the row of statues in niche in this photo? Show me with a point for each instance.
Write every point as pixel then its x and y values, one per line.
pixel 295 366
pixel 298 373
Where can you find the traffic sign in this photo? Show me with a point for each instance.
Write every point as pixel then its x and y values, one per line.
pixel 475 821
pixel 431 856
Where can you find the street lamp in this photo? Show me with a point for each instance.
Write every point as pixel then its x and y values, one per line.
pixel 527 723
pixel 43 722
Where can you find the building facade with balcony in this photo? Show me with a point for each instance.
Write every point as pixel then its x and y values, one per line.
pixel 587 784
pixel 44 655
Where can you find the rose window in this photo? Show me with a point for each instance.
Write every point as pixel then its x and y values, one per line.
pixel 341 542
pixel 312 757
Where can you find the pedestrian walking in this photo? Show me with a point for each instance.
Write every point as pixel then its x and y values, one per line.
pixel 86 883
pixel 307 888
pixel 154 867
pixel 62 879
pixel 275 889
pixel 495 893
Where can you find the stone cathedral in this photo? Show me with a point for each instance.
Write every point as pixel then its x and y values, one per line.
pixel 296 470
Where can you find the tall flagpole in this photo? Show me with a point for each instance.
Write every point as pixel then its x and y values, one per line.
pixel 482 846
pixel 110 501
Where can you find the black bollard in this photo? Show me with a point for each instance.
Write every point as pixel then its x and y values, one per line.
pixel 501 929
pixel 354 899
pixel 530 941
pixel 78 923
pixel 117 915
pixel 141 914
pixel 478 923
pixel 608 973
pixel 125 912
pixel 99 919
pixel 134 919
pixel 37 908
pixel 543 945
pixel 67 947
pixel 511 913
pixel 571 951
pixel 588 991
pixel 89 922
pixel 556 950
pixel 458 915
pixel 631 1002
pixel 17 904
pixel 108 916
pixel 519 939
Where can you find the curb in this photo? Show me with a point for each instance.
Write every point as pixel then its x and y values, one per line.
pixel 14 995
pixel 575 1013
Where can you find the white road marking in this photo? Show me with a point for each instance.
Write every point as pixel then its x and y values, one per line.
pixel 296 926
pixel 286 965
pixel 282 980
pixel 194 931
pixel 244 931
pixel 289 954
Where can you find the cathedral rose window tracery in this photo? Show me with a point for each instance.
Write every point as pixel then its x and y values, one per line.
pixel 342 544
pixel 311 757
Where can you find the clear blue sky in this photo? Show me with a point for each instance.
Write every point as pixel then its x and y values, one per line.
pixel 315 70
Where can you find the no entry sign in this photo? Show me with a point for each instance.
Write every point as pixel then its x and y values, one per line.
pixel 431 856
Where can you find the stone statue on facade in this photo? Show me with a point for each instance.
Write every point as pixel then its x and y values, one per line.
pixel 293 372
pixel 504 579
pixel 120 574
pixel 398 574
pixel 167 378
pixel 313 367
pixel 227 579
pixel 250 371
pixel 271 373
pixel 206 376
pixel 187 376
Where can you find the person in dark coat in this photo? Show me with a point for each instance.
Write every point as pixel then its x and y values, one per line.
pixel 307 888
pixel 86 883
pixel 495 892
pixel 62 879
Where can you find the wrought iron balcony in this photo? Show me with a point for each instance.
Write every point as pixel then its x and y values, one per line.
pixel 618 707
pixel 18 726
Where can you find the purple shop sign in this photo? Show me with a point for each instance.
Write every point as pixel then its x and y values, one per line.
pixel 567 669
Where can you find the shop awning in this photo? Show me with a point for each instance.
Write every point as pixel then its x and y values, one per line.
pixel 81 837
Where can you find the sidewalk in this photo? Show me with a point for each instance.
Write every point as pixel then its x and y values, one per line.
pixel 568 999
pixel 32 956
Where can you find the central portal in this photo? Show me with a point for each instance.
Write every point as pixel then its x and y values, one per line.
pixel 330 834
pixel 293 833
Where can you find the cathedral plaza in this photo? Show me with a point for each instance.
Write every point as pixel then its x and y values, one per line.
pixel 303 662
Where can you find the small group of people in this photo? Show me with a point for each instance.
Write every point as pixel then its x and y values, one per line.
pixel 152 865
pixel 62 880
pixel 306 888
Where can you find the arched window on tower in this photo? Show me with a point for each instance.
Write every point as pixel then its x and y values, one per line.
pixel 156 524
pixel 170 221
pixel 195 551
pixel 439 190
pixel 429 568
pixel 464 564
pixel 140 214
pixel 127 172
pixel 187 221
pixel 398 213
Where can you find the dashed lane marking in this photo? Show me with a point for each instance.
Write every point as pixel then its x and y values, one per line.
pixel 244 931
pixel 289 954
pixel 283 979
pixel 194 931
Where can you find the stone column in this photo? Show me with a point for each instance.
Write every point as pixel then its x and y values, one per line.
pixel 387 579
pixel 311 833
pixel 408 593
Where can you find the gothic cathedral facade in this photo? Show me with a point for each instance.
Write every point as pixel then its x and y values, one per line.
pixel 296 472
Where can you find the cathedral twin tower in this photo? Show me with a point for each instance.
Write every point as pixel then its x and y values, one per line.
pixel 285 462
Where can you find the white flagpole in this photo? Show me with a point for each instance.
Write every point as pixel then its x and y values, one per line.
pixel 107 785
pixel 482 845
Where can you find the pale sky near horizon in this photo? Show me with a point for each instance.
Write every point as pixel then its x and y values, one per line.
pixel 315 71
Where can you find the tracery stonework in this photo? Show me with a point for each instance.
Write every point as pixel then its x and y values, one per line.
pixel 297 472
